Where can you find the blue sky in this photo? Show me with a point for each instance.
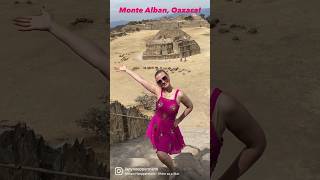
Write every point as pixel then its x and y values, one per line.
pixel 115 4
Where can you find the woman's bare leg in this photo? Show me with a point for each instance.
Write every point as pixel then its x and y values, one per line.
pixel 166 160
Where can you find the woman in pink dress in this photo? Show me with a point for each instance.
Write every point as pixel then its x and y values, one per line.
pixel 163 130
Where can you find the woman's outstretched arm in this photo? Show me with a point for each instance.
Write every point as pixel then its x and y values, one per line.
pixel 239 121
pixel 149 86
pixel 185 100
pixel 88 51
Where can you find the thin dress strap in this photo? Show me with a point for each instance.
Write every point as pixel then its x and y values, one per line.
pixel 175 96
pixel 213 99
pixel 215 144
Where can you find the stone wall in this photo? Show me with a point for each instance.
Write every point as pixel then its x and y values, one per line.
pixel 136 27
pixel 175 24
pixel 160 57
pixel 182 45
pixel 189 48
pixel 194 23
pixel 159 49
pixel 158 25
pixel 125 128
pixel 172 34
pixel 21 146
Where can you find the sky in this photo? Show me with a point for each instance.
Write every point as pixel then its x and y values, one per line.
pixel 115 4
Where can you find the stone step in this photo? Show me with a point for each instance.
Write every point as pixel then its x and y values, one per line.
pixel 188 168
pixel 143 163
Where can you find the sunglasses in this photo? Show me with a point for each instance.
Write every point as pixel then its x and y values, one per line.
pixel 162 80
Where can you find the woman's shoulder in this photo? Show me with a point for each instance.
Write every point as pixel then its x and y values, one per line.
pixel 179 92
pixel 227 103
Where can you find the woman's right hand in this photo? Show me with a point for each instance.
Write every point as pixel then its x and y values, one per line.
pixel 121 68
pixel 41 22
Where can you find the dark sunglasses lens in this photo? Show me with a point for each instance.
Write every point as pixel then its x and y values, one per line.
pixel 165 78
pixel 159 82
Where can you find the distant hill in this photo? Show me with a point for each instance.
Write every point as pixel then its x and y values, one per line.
pixel 117 23
pixel 206 11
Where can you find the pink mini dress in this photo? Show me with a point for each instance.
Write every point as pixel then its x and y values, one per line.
pixel 161 131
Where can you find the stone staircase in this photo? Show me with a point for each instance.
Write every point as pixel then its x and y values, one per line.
pixel 192 163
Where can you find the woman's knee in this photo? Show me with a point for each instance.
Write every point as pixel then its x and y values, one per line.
pixel 162 155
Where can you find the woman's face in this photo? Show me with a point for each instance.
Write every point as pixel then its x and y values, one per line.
pixel 163 80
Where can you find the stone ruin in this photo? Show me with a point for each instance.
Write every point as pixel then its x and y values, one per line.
pixel 124 128
pixel 177 22
pixel 170 44
pixel 20 145
pixel 109 122
pixel 182 21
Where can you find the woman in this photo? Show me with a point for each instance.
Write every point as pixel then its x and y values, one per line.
pixel 163 130
pixel 227 113
pixel 89 52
